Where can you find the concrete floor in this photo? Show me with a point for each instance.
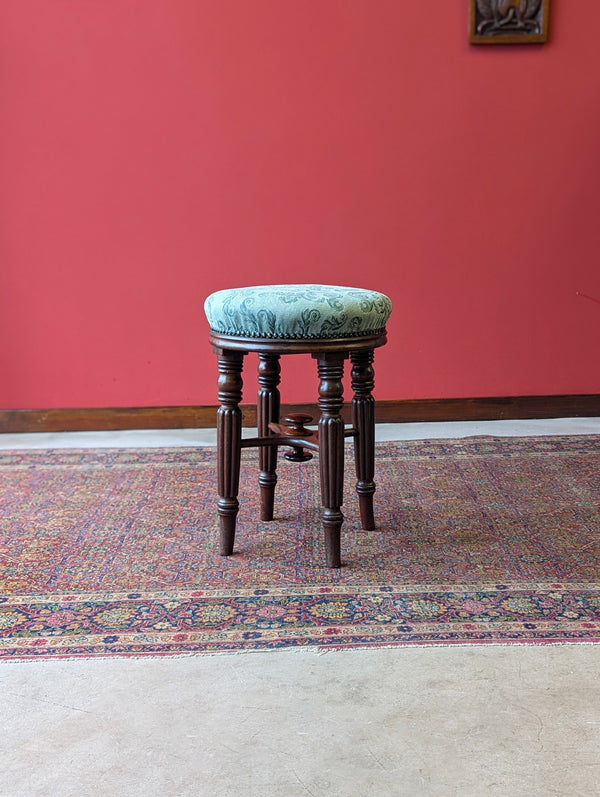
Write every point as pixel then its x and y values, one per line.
pixel 473 720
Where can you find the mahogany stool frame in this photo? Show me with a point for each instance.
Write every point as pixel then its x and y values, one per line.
pixel 328 440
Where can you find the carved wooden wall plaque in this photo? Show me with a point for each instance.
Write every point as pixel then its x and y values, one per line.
pixel 508 21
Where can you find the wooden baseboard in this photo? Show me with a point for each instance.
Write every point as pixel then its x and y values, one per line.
pixel 404 411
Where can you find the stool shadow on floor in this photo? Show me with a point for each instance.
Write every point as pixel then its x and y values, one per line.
pixel 296 531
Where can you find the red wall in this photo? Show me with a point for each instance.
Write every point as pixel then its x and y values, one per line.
pixel 152 151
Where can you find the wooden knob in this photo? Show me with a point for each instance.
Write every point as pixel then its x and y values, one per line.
pixel 294 424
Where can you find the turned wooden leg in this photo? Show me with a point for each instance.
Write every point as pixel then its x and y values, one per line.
pixel 331 450
pixel 267 412
pixel 229 436
pixel 363 419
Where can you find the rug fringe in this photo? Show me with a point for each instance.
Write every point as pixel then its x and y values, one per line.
pixel 308 650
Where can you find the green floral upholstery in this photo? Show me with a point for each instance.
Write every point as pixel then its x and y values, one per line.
pixel 297 312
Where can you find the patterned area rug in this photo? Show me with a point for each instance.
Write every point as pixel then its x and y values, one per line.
pixel 113 552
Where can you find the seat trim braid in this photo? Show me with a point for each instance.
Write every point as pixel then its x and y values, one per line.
pixel 290 336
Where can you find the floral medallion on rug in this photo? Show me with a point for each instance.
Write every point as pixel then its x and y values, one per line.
pixel 114 552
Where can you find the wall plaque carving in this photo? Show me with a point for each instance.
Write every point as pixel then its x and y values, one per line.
pixel 508 21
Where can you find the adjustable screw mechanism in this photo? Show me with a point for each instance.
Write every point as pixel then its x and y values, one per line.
pixel 294 426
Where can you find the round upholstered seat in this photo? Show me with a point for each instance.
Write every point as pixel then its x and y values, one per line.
pixel 298 312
